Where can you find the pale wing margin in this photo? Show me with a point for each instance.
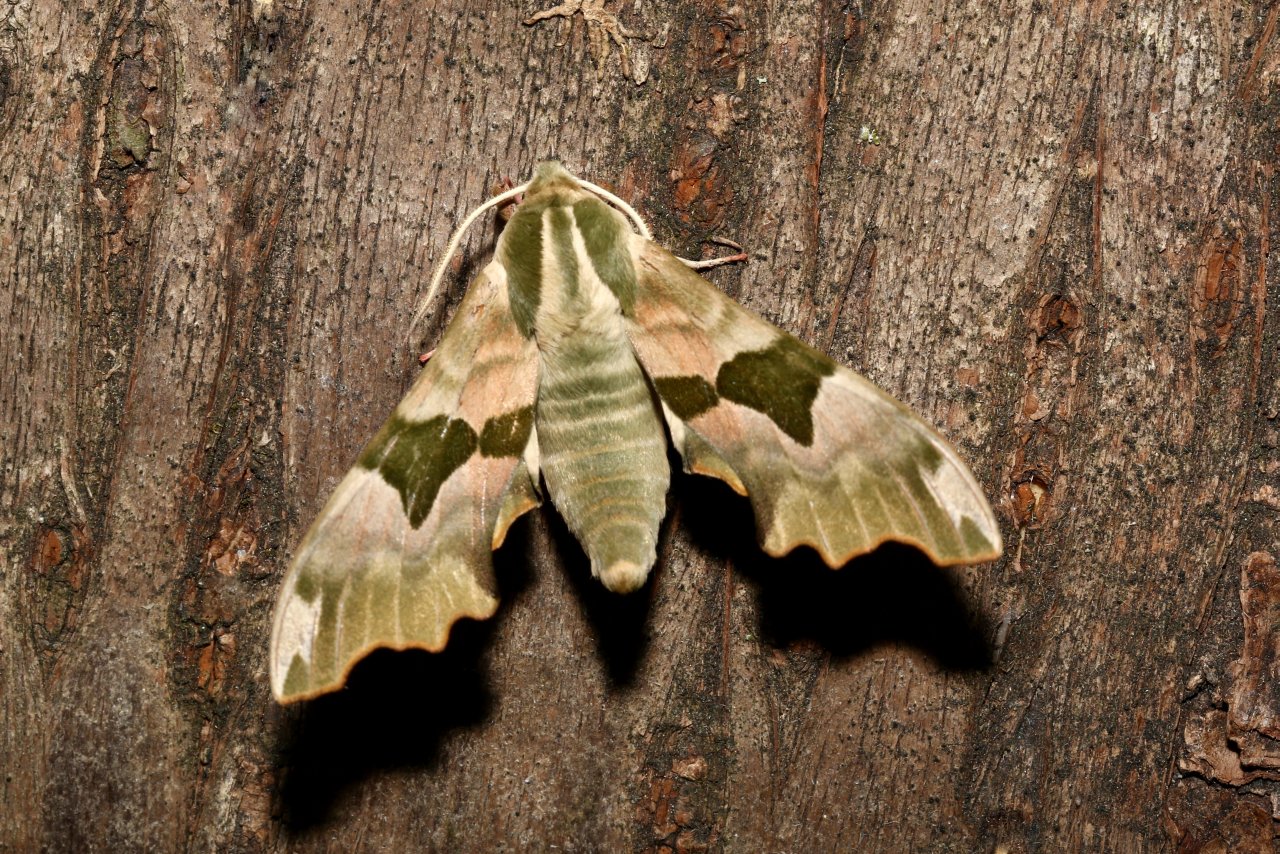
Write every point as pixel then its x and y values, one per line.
pixel 827 459
pixel 403 547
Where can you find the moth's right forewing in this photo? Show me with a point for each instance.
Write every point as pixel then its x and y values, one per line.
pixel 402 550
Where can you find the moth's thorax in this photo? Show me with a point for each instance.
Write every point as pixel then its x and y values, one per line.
pixel 568 261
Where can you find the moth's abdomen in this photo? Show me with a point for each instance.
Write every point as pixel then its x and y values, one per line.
pixel 603 453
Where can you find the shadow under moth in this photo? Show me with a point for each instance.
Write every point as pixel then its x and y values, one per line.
pixel 575 356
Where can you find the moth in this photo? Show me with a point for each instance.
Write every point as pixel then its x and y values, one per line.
pixel 577 354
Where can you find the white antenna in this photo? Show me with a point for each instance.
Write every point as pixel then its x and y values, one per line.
pixel 452 247
pixel 620 205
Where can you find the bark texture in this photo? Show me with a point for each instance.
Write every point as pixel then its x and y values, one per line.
pixel 1046 225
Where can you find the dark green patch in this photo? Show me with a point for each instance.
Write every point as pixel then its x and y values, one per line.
pixel 306 588
pixel 417 457
pixel 295 681
pixel 688 396
pixel 562 241
pixel 926 455
pixel 782 381
pixel 507 435
pixel 605 239
pixel 522 259
pixel 974 540
pixel 327 632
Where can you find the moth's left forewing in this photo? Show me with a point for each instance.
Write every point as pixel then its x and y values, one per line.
pixel 402 549
pixel 827 459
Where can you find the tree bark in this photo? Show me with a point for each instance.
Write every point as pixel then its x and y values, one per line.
pixel 1045 226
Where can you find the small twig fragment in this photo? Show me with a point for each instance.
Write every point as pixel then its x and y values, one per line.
pixel 602 27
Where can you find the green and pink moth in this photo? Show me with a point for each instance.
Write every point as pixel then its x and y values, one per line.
pixel 577 354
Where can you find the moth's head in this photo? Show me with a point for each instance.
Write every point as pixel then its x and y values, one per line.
pixel 550 177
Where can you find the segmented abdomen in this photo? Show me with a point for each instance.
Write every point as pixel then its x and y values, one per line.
pixel 603 452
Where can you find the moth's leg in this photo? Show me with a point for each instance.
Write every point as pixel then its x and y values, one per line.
pixel 708 263
pixel 507 208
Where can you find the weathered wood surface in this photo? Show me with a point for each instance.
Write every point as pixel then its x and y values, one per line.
pixel 1046 225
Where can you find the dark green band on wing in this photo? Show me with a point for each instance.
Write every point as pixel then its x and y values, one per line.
pixel 782 381
pixel 417 458
pixel 688 397
pixel 507 435
pixel 522 259
pixel 603 235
